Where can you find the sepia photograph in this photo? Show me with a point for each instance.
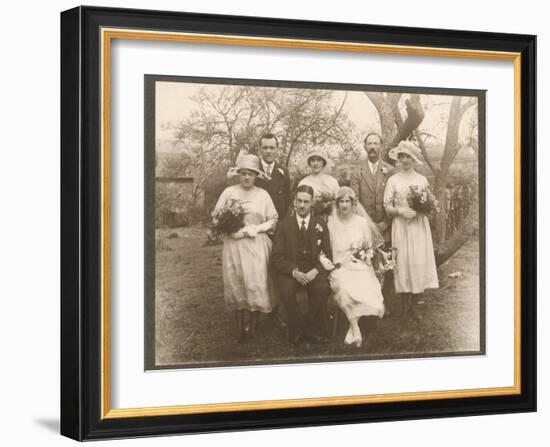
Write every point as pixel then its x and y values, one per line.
pixel 290 222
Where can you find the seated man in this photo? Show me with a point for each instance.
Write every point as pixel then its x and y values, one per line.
pixel 299 239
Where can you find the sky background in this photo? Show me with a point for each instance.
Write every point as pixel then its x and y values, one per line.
pixel 174 102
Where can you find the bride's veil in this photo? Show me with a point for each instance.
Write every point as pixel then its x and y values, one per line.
pixel 376 236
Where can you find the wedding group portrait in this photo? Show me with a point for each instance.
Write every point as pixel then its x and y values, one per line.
pixel 302 222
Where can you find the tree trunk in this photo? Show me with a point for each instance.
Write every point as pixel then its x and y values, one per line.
pixel 395 129
pixel 415 116
pixel 383 103
pixel 457 240
pixel 449 154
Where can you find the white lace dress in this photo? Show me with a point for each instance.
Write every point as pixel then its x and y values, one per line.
pixel 356 289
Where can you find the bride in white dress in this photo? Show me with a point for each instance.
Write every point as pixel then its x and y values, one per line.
pixel 356 289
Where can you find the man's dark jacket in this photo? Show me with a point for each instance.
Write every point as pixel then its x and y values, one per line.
pixel 278 188
pixel 285 244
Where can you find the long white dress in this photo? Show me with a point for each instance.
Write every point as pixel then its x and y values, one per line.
pixel 245 262
pixel 355 287
pixel 415 268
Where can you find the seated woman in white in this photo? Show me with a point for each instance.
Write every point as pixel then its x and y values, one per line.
pixel 356 289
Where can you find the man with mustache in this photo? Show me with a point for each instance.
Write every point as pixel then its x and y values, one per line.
pixel 369 183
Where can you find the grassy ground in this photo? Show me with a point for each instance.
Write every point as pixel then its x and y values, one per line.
pixel 193 327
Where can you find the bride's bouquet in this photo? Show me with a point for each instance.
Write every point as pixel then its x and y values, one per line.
pixel 362 254
pixel 322 205
pixel 422 200
pixel 227 220
pixel 365 253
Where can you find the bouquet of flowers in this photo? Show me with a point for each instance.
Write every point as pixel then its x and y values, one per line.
pixel 383 260
pixel 365 253
pixel 422 200
pixel 322 205
pixel 227 220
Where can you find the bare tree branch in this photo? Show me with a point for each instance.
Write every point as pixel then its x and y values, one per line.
pixel 424 152
pixel 470 103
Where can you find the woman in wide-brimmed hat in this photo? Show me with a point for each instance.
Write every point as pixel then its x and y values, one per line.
pixel 248 289
pixel 322 183
pixel 415 268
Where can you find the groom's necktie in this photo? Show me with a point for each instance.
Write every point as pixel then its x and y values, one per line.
pixel 303 227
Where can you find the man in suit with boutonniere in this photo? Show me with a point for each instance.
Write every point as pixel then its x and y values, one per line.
pixel 369 183
pixel 278 184
pixel 299 240
pixel 370 180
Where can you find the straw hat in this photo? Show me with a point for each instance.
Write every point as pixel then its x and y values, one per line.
pixel 248 161
pixel 316 154
pixel 303 162
pixel 405 147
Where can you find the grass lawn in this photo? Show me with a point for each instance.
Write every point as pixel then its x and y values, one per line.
pixel 193 326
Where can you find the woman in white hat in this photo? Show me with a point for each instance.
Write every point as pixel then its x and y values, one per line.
pixel 248 289
pixel 415 268
pixel 322 183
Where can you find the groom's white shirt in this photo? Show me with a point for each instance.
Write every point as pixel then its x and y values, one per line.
pixel 299 220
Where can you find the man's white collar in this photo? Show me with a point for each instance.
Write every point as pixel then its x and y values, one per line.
pixel 299 219
pixel 266 164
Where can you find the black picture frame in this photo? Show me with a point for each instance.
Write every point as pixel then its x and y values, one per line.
pixel 82 208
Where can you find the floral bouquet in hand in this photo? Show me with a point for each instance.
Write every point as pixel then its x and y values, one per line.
pixel 227 220
pixel 322 205
pixel 422 200
pixel 383 261
pixel 365 253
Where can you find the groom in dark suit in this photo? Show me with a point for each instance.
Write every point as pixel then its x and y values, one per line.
pixel 278 186
pixel 299 240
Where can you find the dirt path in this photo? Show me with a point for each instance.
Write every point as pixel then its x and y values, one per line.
pixel 193 326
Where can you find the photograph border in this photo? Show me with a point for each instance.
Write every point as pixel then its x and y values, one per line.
pixel 149 206
pixel 86 36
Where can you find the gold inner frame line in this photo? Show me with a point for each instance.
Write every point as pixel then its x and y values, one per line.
pixel 107 35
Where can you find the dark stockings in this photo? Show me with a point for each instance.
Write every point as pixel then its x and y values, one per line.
pixel 409 304
pixel 247 322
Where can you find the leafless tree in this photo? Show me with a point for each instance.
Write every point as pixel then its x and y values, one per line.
pixel 396 127
pixel 228 120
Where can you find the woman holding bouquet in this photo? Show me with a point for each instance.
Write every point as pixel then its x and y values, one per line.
pixel 248 289
pixel 415 268
pixel 353 237
pixel 323 184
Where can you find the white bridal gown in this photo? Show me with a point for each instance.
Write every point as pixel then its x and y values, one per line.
pixel 356 288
